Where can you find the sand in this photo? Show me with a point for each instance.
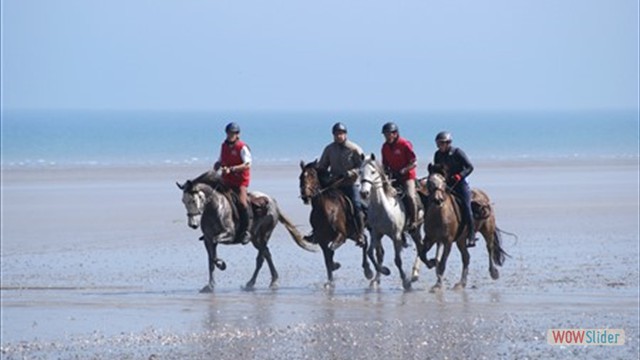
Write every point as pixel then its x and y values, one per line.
pixel 99 263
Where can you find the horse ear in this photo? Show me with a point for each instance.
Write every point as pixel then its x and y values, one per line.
pixel 362 157
pixel 301 164
pixel 181 187
pixel 430 168
pixel 373 156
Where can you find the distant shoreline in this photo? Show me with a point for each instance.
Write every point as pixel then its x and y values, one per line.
pixel 143 172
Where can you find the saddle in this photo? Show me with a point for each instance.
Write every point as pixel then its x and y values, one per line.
pixel 480 209
pixel 258 204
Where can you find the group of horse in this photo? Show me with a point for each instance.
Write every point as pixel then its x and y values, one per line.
pixel 211 207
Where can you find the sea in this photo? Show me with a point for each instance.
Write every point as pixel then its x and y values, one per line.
pixel 57 138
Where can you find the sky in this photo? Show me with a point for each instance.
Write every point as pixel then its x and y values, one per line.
pixel 293 55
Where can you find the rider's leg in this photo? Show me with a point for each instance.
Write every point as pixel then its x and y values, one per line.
pixel 354 194
pixel 243 235
pixel 464 192
pixel 411 203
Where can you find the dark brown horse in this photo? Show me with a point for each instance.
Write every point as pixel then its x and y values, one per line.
pixel 329 218
pixel 444 226
pixel 209 208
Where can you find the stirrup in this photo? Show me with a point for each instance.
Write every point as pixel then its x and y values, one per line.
pixel 310 238
pixel 471 242
pixel 243 238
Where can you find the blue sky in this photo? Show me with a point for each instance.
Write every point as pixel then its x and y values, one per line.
pixel 320 55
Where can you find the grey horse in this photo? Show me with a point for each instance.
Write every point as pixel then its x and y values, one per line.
pixel 213 212
pixel 386 216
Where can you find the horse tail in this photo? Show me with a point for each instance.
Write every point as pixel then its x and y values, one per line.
pixel 295 234
pixel 499 255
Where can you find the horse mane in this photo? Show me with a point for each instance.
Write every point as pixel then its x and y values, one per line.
pixel 437 169
pixel 210 178
pixel 323 176
pixel 386 183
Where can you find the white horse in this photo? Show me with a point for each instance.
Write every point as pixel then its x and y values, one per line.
pixel 213 212
pixel 386 216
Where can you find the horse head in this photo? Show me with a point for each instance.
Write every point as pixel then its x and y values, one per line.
pixel 369 175
pixel 194 199
pixel 372 175
pixel 437 184
pixel 309 181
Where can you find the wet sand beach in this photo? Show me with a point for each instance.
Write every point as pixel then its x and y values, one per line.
pixel 99 263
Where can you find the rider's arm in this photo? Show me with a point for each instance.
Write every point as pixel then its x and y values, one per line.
pixel 245 155
pixel 467 167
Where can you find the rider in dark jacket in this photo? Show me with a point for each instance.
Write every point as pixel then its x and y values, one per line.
pixel 458 167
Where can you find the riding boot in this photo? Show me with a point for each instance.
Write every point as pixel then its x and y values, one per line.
pixel 471 236
pixel 243 235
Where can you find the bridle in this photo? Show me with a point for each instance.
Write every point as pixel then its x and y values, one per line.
pixel 376 182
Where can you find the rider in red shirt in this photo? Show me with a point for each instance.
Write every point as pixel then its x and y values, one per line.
pixel 400 163
pixel 235 164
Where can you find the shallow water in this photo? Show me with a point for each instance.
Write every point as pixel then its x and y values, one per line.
pixel 103 265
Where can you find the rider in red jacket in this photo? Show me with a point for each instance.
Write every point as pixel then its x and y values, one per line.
pixel 400 163
pixel 235 164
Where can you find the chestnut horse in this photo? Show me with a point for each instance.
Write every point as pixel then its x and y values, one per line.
pixel 444 226
pixel 329 217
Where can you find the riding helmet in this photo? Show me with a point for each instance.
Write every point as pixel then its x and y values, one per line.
pixel 338 127
pixel 389 127
pixel 232 128
pixel 444 136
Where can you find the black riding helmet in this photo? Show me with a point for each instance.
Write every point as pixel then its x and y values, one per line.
pixel 232 128
pixel 444 136
pixel 338 127
pixel 389 127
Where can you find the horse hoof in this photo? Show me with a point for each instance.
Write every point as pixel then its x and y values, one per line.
pixel 374 285
pixel 368 274
pixel 459 286
pixel 431 263
pixel 435 288
pixel 329 285
pixel 494 274
pixel 385 271
pixel 336 266
pixel 414 279
pixel 208 289
pixel 249 286
pixel 274 285
pixel 406 285
pixel 220 264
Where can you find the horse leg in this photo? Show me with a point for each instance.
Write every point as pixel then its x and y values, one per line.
pixel 428 244
pixel 442 253
pixel 398 244
pixel 329 264
pixel 375 245
pixel 376 242
pixel 489 233
pixel 464 252
pixel 368 274
pixel 272 268
pixel 211 253
pixel 259 261
pixel 415 272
